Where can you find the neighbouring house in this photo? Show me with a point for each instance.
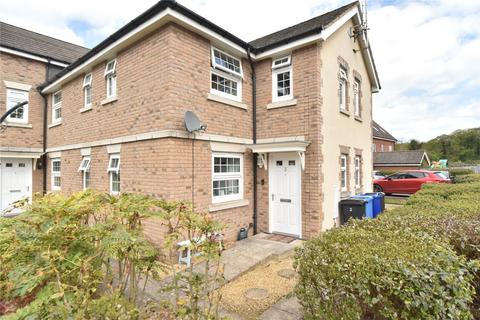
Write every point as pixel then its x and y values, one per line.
pixel 27 60
pixel 383 141
pixel 400 160
pixel 289 118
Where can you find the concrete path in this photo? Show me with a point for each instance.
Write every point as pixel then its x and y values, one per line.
pixel 285 309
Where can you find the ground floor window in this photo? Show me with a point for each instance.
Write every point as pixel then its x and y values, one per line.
pixel 85 169
pixel 114 173
pixel 227 177
pixel 358 174
pixel 56 174
pixel 343 172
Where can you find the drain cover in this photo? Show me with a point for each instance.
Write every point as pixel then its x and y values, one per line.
pixel 256 294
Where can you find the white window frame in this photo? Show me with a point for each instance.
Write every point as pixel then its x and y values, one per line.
pixel 85 169
pixel 342 90
pixel 356 98
pixel 217 176
pixel 343 172
pixel 390 148
pixel 227 76
pixel 56 174
pixel 111 76
pixel 15 101
pixel 275 97
pixel 56 106
pixel 87 87
pixel 111 169
pixel 358 175
pixel 227 70
pixel 287 62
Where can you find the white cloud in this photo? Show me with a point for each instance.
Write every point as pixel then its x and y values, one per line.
pixel 426 51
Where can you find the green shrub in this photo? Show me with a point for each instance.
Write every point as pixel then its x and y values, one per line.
pixel 365 272
pixel 442 220
pixel 85 257
pixel 468 178
pixel 460 172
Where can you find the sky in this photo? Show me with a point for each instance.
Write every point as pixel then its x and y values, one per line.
pixel 427 52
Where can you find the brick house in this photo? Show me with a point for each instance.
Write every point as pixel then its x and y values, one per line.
pixel 27 60
pixel 289 118
pixel 401 160
pixel 383 141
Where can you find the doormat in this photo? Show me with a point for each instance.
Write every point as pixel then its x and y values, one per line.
pixel 279 238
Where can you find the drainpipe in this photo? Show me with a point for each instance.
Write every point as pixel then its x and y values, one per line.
pixel 45 111
pixel 254 136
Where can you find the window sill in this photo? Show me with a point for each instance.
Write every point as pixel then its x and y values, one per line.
pixel 282 104
pixel 359 119
pixel 230 102
pixel 228 205
pixel 19 125
pixel 109 100
pixel 86 108
pixel 54 124
pixel 345 112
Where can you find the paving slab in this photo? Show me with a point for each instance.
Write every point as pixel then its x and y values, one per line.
pixel 285 309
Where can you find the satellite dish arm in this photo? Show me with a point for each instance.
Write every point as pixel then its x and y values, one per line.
pixel 18 105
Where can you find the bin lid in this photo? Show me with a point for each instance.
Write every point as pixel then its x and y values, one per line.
pixel 353 201
pixel 368 198
pixel 375 194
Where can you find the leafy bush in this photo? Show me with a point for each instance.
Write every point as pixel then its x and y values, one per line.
pixel 365 272
pixel 460 172
pixel 394 266
pixel 468 178
pixel 85 256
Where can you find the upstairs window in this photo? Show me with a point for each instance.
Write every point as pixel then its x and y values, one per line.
pixel 226 86
pixel 342 90
pixel 356 98
pixel 85 169
pixel 227 174
pixel 226 62
pixel 114 173
pixel 87 90
pixel 111 78
pixel 57 107
pixel 14 97
pixel 281 62
pixel 56 174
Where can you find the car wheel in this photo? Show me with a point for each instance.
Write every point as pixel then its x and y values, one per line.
pixel 377 188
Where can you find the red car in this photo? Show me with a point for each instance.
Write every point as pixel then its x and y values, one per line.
pixel 408 181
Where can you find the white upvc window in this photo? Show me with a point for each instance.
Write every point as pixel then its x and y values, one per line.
pixel 14 97
pixel 223 61
pixel 342 90
pixel 282 84
pixel 358 171
pixel 57 107
pixel 111 78
pixel 227 177
pixel 56 174
pixel 87 90
pixel 85 169
pixel 374 147
pixel 390 148
pixel 356 98
pixel 225 85
pixel 114 173
pixel 282 62
pixel 343 172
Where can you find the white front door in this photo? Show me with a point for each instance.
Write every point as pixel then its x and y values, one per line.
pixel 15 180
pixel 285 193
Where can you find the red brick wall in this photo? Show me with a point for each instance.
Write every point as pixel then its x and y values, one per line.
pixel 386 144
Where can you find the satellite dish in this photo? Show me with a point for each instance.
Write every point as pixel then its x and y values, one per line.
pixel 192 123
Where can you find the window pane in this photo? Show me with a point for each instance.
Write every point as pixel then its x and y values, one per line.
pixel 115 177
pixel 224 85
pixel 56 181
pixel 227 61
pixel 226 187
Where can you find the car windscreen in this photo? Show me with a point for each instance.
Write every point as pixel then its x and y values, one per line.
pixel 441 175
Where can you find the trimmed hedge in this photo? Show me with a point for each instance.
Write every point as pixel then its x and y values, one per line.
pixel 420 261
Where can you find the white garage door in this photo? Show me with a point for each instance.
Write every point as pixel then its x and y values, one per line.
pixel 15 180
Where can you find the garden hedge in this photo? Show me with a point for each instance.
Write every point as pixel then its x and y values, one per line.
pixel 419 261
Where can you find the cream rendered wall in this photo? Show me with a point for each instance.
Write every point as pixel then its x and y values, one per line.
pixel 339 129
